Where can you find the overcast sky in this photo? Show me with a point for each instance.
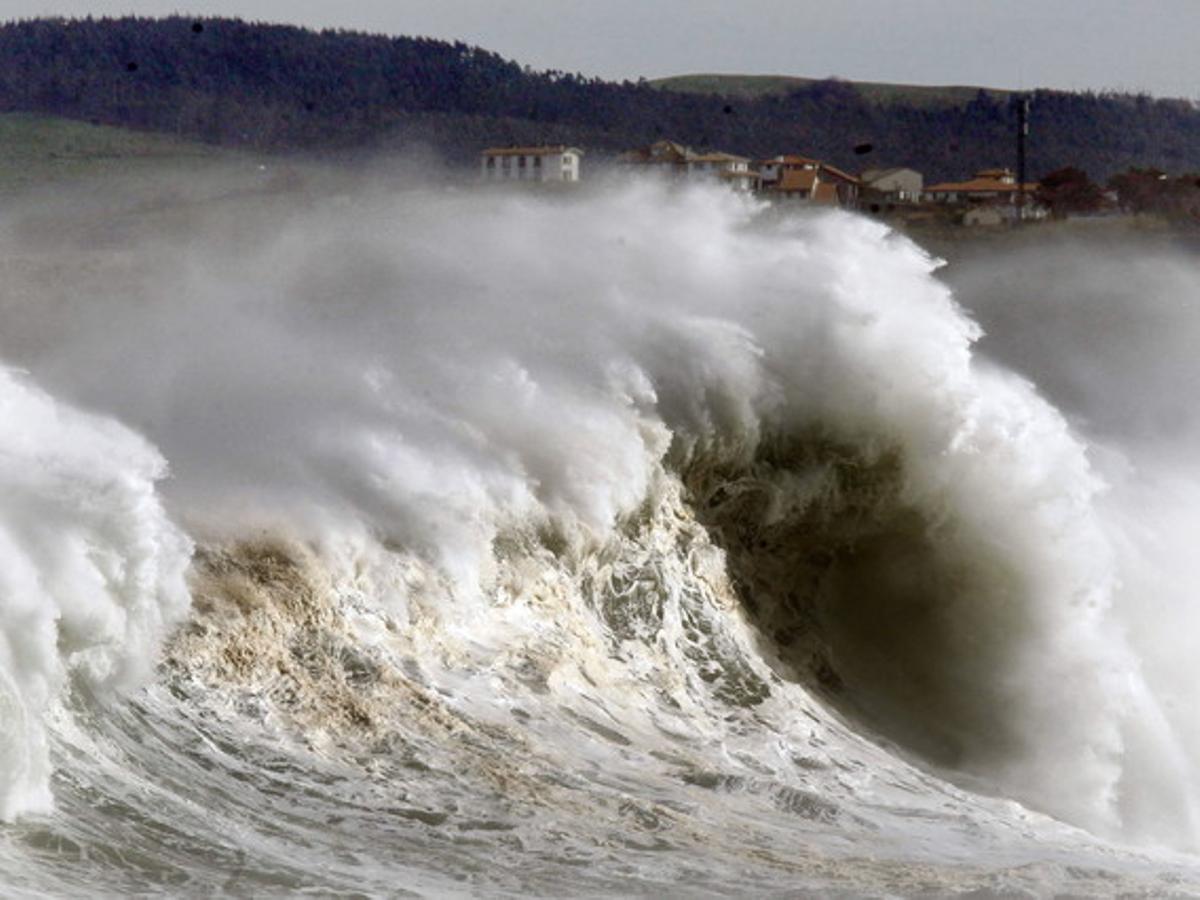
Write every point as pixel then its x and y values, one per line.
pixel 1131 45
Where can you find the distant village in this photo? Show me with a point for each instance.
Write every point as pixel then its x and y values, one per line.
pixel 991 197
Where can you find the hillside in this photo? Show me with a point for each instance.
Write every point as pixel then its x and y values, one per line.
pixel 756 86
pixel 38 149
pixel 280 89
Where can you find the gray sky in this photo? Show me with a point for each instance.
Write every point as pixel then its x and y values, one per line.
pixel 1101 44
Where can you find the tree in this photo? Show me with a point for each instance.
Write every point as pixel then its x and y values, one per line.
pixel 1068 191
pixel 1139 190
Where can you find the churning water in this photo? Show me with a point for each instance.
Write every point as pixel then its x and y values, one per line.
pixel 642 541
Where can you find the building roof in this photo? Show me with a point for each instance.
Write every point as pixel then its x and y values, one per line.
pixel 551 150
pixel 978 186
pixel 669 148
pixel 793 159
pixel 838 173
pixel 717 156
pixel 658 153
pixel 872 175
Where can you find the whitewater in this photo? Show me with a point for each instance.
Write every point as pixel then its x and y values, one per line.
pixel 366 539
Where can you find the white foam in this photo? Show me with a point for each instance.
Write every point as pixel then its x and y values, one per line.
pixel 419 369
pixel 91 570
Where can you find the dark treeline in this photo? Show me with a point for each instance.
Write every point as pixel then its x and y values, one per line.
pixel 273 87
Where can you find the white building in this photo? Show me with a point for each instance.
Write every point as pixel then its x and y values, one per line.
pixel 899 185
pixel 546 164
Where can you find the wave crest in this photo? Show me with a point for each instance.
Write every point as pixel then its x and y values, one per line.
pixel 91 571
pixel 647 440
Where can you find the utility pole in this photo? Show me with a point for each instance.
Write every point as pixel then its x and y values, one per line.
pixel 1022 136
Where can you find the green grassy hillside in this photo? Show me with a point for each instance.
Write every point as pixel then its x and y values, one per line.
pixel 753 86
pixel 36 150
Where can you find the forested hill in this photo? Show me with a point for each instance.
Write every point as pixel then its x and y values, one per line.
pixel 282 88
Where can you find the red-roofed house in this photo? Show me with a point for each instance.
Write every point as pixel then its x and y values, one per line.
pixel 794 177
pixel 730 168
pixel 988 186
pixel 666 156
pixel 676 159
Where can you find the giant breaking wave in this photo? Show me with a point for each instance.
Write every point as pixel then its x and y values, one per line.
pixel 477 477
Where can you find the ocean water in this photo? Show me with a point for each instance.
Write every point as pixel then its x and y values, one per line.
pixel 379 540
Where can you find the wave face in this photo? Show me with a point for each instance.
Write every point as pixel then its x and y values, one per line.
pixel 91 571
pixel 632 540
